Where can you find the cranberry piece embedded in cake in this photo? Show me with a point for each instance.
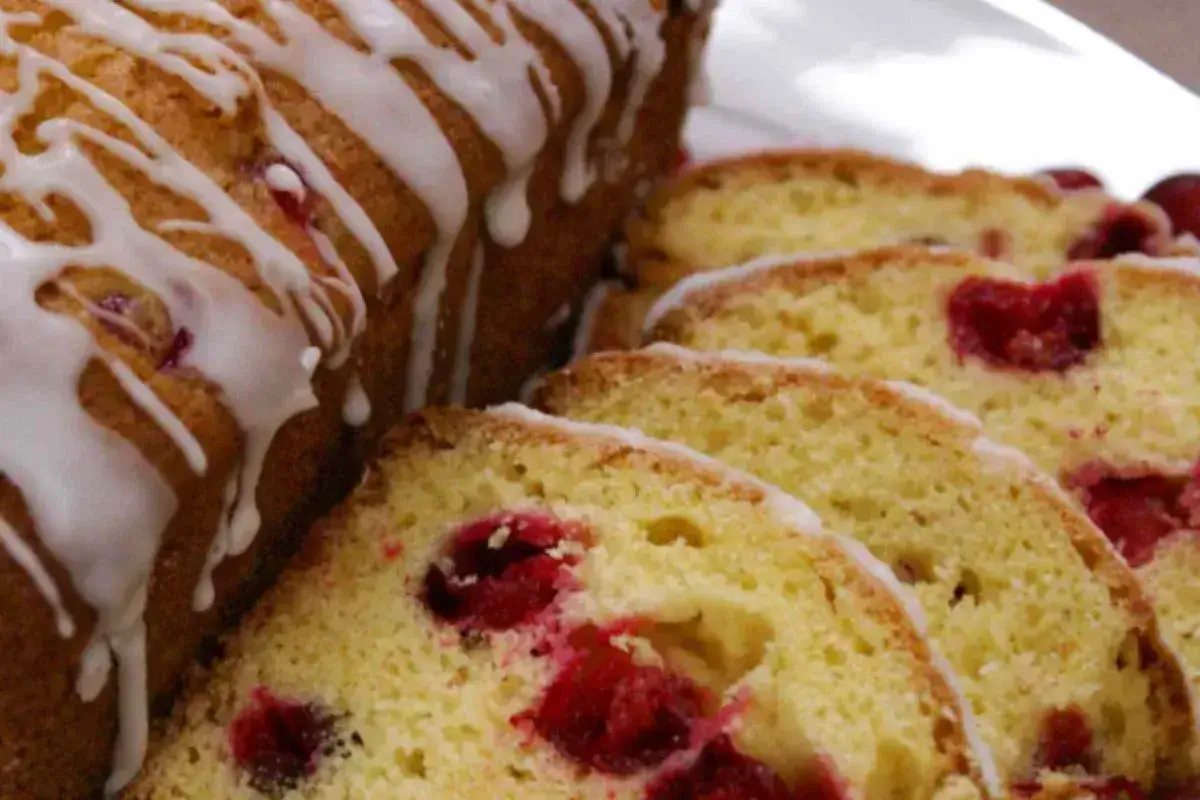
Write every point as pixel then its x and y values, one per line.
pixel 1124 229
pixel 720 772
pixel 1136 512
pixel 614 715
pixel 1066 740
pixel 291 192
pixel 1072 179
pixel 1034 327
pixel 177 350
pixel 498 572
pixel 1179 197
pixel 278 742
pixel 116 302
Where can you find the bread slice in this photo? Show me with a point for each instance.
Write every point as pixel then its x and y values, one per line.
pixel 808 201
pixel 412 666
pixel 242 239
pixel 1120 426
pixel 1040 617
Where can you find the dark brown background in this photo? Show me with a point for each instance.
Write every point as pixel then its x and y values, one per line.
pixel 1165 33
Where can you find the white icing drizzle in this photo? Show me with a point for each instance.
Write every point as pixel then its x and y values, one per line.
pixel 356 408
pixel 25 558
pixel 371 97
pixel 558 318
pixel 531 384
pixel 791 512
pixel 145 397
pixel 581 343
pixel 466 330
pixel 567 23
pixel 108 548
pixel 494 86
pixel 650 52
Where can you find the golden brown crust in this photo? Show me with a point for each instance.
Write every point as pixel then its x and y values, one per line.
pixel 741 381
pixel 54 745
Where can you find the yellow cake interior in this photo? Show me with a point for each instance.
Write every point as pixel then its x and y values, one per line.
pixel 1135 397
pixel 739 602
pixel 751 210
pixel 1012 603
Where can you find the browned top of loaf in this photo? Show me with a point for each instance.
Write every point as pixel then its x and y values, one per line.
pixel 39 704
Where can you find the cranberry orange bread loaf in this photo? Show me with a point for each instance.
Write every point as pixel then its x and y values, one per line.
pixel 518 606
pixel 728 212
pixel 240 237
pixel 1054 641
pixel 1087 373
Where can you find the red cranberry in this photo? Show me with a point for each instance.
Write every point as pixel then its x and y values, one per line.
pixel 500 573
pixel 1072 179
pixel 1137 513
pixel 115 302
pixel 1179 196
pixel 682 158
pixel 177 350
pixel 291 192
pixel 1124 229
pixel 1040 327
pixel 996 244
pixel 1184 791
pixel 823 782
pixel 119 304
pixel 614 715
pixel 277 741
pixel 720 772
pixel 1066 740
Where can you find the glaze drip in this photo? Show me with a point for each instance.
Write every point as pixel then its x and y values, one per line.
pixel 109 548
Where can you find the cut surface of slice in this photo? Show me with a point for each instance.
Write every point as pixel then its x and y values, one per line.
pixel 1125 410
pixel 518 606
pixel 1053 638
pixel 816 201
pixel 731 211
pixel 973 331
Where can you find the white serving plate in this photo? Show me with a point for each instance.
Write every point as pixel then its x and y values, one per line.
pixel 1014 85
